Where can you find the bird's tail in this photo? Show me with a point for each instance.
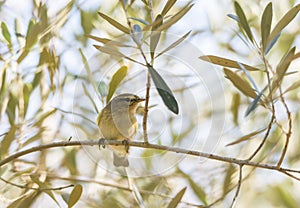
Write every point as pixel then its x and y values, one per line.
pixel 120 160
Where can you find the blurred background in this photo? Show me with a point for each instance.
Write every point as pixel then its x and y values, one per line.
pixel 54 82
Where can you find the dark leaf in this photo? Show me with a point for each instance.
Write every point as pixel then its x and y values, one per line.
pixel 164 91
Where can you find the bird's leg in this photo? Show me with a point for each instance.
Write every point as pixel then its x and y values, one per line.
pixel 101 142
pixel 125 142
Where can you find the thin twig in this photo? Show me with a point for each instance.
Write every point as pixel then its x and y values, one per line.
pixel 38 189
pixel 117 187
pixel 95 142
pixel 238 186
pixel 265 137
pixel 148 82
pixel 289 133
pixel 267 68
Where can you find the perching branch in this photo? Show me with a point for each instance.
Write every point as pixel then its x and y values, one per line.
pixel 148 146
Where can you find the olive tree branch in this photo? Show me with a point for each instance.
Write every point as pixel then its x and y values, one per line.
pixel 148 146
pixel 117 186
pixel 38 189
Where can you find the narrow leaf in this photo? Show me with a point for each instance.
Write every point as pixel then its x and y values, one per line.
pixel 282 67
pixel 254 103
pixel 241 84
pixel 174 18
pixel 114 23
pixel 283 22
pixel 107 41
pixel 89 71
pixel 228 178
pixel 109 50
pixel 167 7
pixel 86 92
pixel 173 45
pixel 234 17
pixel 140 20
pixel 6 33
pixel 266 22
pixel 175 201
pixel 235 105
pixel 164 91
pixel 294 86
pixel 7 141
pixel 137 34
pixel 115 81
pixel 243 20
pixel 155 35
pixel 246 137
pixel 75 195
pixel 226 62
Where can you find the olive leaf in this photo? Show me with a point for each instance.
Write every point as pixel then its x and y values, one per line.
pixel 115 82
pixel 175 201
pixel 163 90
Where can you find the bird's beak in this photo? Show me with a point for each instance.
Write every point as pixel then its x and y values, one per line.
pixel 141 99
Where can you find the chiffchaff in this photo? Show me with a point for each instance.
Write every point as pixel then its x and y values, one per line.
pixel 117 121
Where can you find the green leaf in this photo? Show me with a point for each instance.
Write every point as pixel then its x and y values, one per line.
pixel 109 50
pixel 2 88
pixel 75 195
pixel 282 67
pixel 226 62
pixel 266 22
pixel 164 91
pixel 174 18
pixel 6 33
pixel 246 137
pixel 173 45
pixel 228 178
pixel 44 116
pixel 87 93
pixel 294 86
pixel 27 89
pixel 155 35
pixel 283 22
pixel 11 108
pixel 198 190
pixel 235 105
pixel 7 141
pixel 241 84
pixel 114 23
pixel 115 81
pixel 107 41
pixel 175 201
pixel 167 7
pixel 243 20
pixel 88 70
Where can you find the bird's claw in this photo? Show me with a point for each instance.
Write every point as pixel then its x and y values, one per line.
pixel 125 142
pixel 101 142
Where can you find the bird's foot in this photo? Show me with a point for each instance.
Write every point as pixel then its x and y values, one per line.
pixel 125 142
pixel 101 142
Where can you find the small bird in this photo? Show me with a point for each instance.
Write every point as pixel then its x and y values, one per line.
pixel 117 121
